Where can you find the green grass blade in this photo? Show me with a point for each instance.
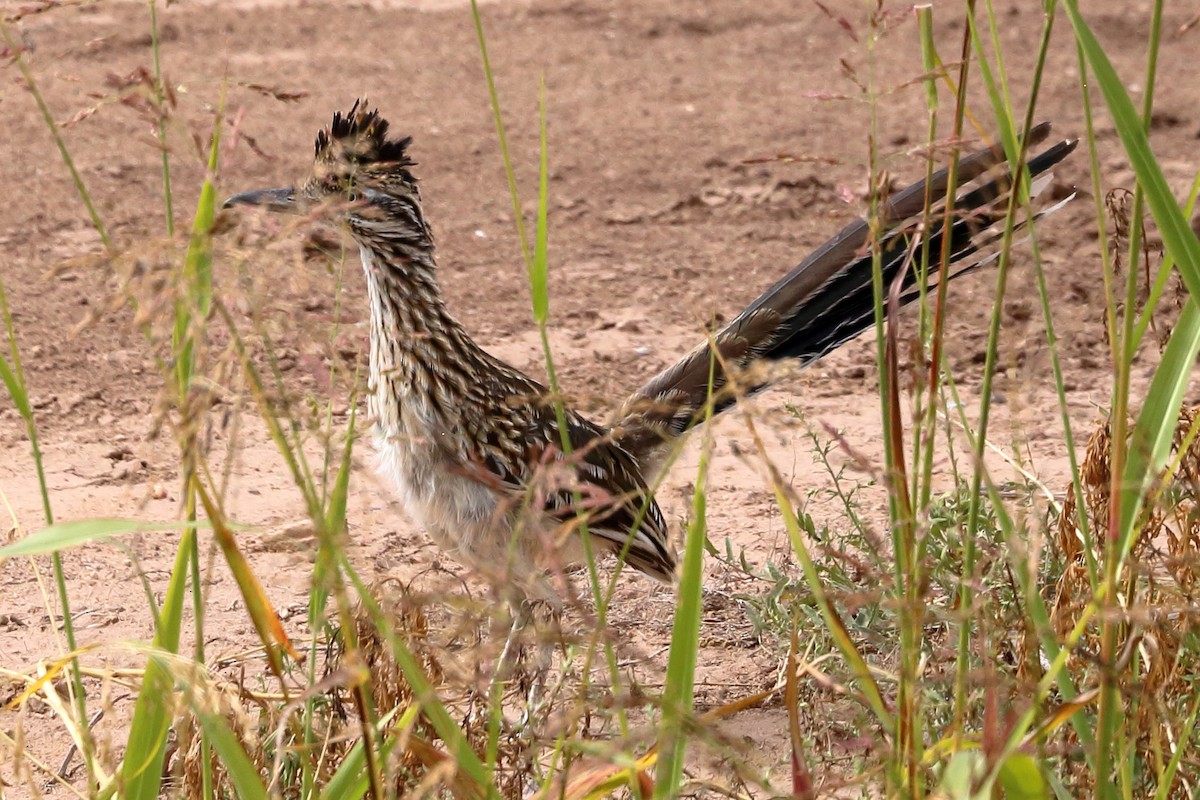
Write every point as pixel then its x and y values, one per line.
pixel 872 694
pixel 540 266
pixel 537 266
pixel 13 374
pixel 685 642
pixel 1156 423
pixel 291 452
pixel 350 781
pixel 339 496
pixel 65 535
pixel 1167 778
pixel 141 768
pixel 160 98
pixel 499 121
pixel 19 59
pixel 241 770
pixel 197 273
pixel 15 390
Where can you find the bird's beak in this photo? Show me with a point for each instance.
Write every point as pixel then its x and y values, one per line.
pixel 271 199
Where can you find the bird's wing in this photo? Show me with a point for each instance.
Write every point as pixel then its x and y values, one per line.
pixel 598 482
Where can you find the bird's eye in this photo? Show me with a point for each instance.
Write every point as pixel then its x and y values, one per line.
pixel 352 196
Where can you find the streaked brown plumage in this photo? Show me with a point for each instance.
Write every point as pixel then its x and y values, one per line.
pixel 468 441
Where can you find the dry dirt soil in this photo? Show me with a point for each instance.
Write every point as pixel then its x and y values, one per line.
pixel 663 216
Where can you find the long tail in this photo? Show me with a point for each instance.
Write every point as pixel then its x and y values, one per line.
pixel 829 297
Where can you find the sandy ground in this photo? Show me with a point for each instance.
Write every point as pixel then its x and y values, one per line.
pixel 657 224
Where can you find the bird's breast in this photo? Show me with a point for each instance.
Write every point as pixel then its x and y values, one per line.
pixel 417 456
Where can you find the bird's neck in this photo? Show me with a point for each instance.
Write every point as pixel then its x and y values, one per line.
pixel 419 354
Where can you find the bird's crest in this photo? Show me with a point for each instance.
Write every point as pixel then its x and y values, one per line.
pixel 360 137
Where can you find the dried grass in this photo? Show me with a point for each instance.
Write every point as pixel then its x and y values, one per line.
pixel 1158 598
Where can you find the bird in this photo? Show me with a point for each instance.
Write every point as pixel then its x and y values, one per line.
pixel 494 468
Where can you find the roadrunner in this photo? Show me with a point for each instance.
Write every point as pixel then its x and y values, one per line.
pixel 471 444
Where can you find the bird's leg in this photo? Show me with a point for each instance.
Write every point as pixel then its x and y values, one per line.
pixel 536 696
pixel 510 653
pixel 521 612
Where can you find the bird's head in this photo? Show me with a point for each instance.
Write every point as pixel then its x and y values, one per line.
pixel 360 173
